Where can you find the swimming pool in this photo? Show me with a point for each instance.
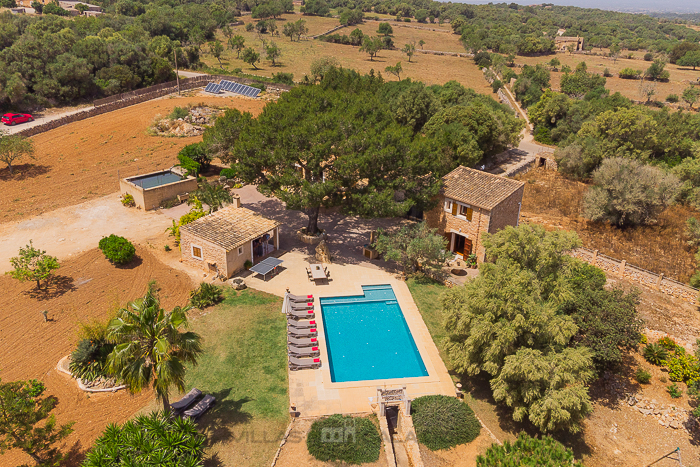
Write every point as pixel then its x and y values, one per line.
pixel 367 337
pixel 156 179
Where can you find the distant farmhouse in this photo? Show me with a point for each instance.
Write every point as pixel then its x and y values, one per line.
pixel 24 6
pixel 562 42
pixel 471 203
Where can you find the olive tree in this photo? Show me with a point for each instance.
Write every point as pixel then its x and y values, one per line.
pixel 33 264
pixel 627 192
pixel 13 148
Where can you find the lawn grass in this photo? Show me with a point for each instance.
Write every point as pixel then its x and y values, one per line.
pixel 426 293
pixel 244 366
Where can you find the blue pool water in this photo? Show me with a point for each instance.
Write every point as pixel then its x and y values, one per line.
pixel 151 181
pixel 367 337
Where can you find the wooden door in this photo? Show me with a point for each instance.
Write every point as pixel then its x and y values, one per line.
pixel 448 236
pixel 467 248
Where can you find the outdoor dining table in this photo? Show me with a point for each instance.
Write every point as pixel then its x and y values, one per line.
pixel 317 272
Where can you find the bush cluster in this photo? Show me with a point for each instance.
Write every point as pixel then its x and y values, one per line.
pixel 544 451
pixel 642 376
pixel 655 354
pixel 117 249
pixel 206 295
pixel 442 422
pixel 89 359
pixel 354 440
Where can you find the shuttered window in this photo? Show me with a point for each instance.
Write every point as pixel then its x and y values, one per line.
pixel 463 211
pixel 454 209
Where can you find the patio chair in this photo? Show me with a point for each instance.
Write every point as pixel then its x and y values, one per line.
pixel 186 401
pixel 301 306
pixel 303 351
pixel 298 323
pixel 302 341
pixel 201 407
pixel 303 363
pixel 302 332
pixel 303 314
pixel 301 298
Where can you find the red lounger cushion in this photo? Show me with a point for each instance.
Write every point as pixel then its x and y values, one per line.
pixel 312 330
pixel 309 296
pixel 311 312
pixel 317 360
pixel 312 322
pixel 313 339
pixel 314 348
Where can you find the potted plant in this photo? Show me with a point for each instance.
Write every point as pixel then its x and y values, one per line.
pixel 471 261
pixel 248 264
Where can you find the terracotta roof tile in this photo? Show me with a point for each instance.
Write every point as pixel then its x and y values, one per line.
pixel 230 227
pixel 477 188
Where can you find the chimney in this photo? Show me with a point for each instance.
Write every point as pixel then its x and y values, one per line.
pixel 236 201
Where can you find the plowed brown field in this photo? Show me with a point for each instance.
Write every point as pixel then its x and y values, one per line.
pixel 84 160
pixel 88 288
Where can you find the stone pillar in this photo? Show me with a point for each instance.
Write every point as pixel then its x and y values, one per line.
pixel 236 203
pixel 622 267
pixel 594 259
pixel 659 280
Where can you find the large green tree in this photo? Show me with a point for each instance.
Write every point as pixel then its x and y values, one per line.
pixel 506 323
pixel 26 422
pixel 336 144
pixel 14 148
pixel 33 264
pixel 151 349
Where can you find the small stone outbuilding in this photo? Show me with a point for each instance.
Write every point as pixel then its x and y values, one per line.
pixel 472 202
pixel 223 241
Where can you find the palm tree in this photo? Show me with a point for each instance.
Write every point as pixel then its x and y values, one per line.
pixel 151 349
pixel 213 196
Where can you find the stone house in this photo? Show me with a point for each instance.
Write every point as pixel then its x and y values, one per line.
pixel 472 202
pixel 223 241
pixel 562 42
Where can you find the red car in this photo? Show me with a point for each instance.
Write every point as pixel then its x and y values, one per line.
pixel 13 119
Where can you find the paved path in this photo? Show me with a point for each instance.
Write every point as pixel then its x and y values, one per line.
pixel 38 120
pixel 190 74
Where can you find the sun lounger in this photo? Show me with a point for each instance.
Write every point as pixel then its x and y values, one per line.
pixel 301 363
pixel 201 407
pixel 302 332
pixel 186 401
pixel 303 351
pixel 301 323
pixel 301 298
pixel 302 314
pixel 302 341
pixel 301 306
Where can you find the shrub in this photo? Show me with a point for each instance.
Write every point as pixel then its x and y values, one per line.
pixel 543 135
pixel 117 249
pixel 195 213
pixel 228 173
pixel 496 85
pixel 648 57
pixel 544 451
pixel 198 153
pixel 146 439
pixel 167 248
pixel 696 412
pixel 248 264
pixel 190 165
pixel 627 192
pixel 128 200
pixel 89 359
pixel 354 440
pixel 206 295
pixel 674 391
pixel 672 98
pixel 442 422
pixel 629 73
pixel 642 376
pixel 655 354
pixel 284 78
pixel 683 368
pixel 668 344
pixel 178 112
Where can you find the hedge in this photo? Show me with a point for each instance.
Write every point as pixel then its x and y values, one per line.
pixel 354 440
pixel 442 422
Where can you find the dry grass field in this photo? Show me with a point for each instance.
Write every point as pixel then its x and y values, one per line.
pixel 85 159
pixel 555 202
pixel 680 76
pixel 86 288
pixel 297 56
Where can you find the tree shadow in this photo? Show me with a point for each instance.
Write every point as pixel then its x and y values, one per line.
pixel 23 172
pixel 225 413
pixel 133 264
pixel 75 456
pixel 57 286
pixel 213 461
pixel 614 387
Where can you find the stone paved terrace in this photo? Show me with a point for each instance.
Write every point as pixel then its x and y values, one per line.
pixel 312 391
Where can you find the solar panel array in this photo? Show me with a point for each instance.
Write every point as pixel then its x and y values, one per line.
pixel 239 88
pixel 213 88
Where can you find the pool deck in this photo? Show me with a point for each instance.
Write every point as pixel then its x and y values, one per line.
pixel 311 391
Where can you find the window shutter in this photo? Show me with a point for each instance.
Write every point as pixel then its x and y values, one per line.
pixel 470 211
pixel 455 206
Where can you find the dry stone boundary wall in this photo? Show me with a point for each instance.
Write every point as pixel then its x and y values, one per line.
pixel 636 274
pixel 120 101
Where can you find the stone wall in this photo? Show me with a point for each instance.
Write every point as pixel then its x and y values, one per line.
pixel 636 274
pixel 211 254
pixel 507 212
pixel 445 222
pixel 407 436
